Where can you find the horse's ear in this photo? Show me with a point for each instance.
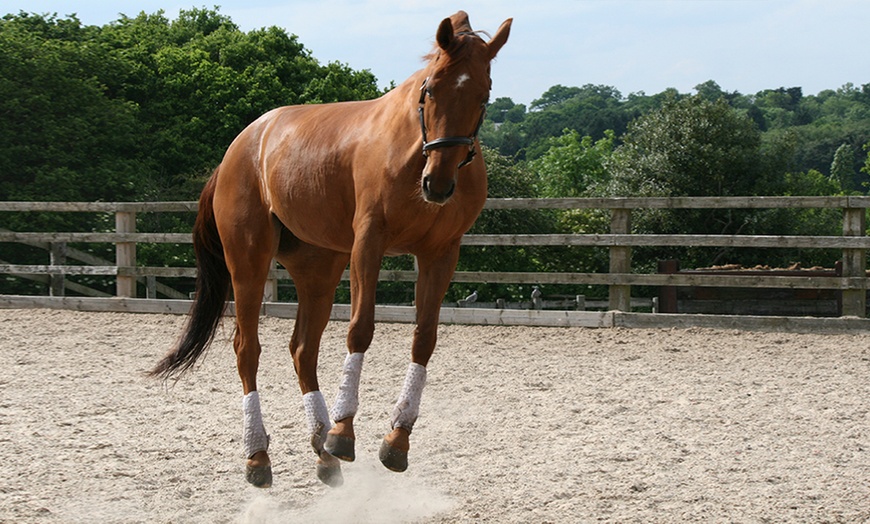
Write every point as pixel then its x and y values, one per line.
pixel 500 38
pixel 445 34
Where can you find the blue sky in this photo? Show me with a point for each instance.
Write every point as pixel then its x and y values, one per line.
pixel 633 45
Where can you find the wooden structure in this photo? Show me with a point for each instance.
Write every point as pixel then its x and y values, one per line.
pixel 852 284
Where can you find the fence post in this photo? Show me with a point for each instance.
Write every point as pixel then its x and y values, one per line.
pixel 620 260
pixel 270 292
pixel 150 286
pixel 57 257
pixel 854 263
pixel 125 254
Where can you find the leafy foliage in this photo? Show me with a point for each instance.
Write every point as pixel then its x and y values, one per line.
pixel 143 109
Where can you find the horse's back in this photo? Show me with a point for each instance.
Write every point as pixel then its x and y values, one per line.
pixel 297 163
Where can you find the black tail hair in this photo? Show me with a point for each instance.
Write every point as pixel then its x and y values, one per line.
pixel 212 291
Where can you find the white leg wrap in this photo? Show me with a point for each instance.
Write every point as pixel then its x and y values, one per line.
pixel 317 416
pixel 408 407
pixel 255 435
pixel 347 400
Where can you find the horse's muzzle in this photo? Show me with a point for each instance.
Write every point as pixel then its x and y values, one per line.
pixel 437 193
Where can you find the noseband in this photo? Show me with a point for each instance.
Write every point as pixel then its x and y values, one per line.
pixel 448 141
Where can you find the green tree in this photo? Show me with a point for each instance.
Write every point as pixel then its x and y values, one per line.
pixel 504 109
pixel 842 168
pixel 506 180
pixel 573 164
pixel 866 168
pixel 199 80
pixel 556 95
pixel 689 147
pixel 590 110
pixel 61 136
pixel 140 109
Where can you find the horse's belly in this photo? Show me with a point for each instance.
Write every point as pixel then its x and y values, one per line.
pixel 318 229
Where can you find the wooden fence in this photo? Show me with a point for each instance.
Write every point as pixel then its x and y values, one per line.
pixel 853 282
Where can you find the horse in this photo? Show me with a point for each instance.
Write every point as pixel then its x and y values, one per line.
pixel 318 187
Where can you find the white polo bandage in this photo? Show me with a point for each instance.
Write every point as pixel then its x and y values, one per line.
pixel 316 414
pixel 408 407
pixel 255 437
pixel 347 399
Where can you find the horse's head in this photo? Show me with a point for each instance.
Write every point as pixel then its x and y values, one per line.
pixel 453 99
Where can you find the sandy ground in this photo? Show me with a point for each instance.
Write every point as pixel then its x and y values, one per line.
pixel 518 425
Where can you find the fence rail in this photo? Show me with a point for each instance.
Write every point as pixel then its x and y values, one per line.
pixel 853 282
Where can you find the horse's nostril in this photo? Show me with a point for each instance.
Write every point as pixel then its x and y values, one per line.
pixel 451 190
pixel 433 193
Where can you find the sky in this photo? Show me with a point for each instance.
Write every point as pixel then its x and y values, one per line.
pixel 633 45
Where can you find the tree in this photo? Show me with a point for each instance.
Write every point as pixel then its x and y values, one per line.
pixel 866 168
pixel 556 95
pixel 504 109
pixel 505 179
pixel 690 147
pixel 842 168
pixel 573 164
pixel 140 109
pixel 61 137
pixel 199 80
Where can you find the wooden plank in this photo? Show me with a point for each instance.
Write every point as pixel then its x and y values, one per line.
pixel 742 323
pixel 471 316
pixel 751 279
pixel 758 202
pixel 608 240
pixel 757 279
pixel 42 278
pixel 31 269
pixel 160 272
pixel 101 207
pixel 96 304
pixel 599 240
pixel 142 238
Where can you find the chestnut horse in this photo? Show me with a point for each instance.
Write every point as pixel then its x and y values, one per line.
pixel 320 186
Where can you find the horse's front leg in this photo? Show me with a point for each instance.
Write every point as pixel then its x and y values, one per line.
pixel 365 267
pixel 436 271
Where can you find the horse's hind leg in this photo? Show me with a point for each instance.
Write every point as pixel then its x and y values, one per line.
pixel 250 242
pixel 316 272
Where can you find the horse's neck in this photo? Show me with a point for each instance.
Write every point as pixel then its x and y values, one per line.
pixel 398 109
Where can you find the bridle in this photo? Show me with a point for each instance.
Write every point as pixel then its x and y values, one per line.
pixel 448 141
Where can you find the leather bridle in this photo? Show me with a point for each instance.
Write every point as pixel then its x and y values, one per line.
pixel 448 141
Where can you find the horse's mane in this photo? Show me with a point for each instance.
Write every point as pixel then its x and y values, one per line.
pixel 458 48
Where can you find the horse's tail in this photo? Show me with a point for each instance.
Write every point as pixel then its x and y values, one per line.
pixel 212 290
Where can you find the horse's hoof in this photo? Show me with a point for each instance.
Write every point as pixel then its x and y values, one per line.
pixel 259 476
pixel 340 447
pixel 329 471
pixel 392 458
